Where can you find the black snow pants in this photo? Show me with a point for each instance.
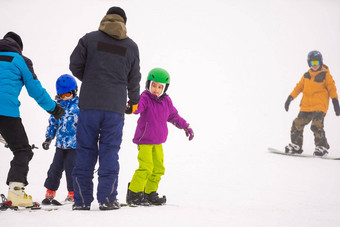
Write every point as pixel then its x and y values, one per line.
pixel 13 131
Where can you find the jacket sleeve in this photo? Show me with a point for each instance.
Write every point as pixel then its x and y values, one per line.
pixel 142 105
pixel 174 117
pixel 330 84
pixel 134 78
pixel 78 59
pixel 51 128
pixel 33 86
pixel 30 66
pixel 298 88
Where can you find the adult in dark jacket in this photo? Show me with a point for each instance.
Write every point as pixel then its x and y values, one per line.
pixel 107 63
pixel 17 71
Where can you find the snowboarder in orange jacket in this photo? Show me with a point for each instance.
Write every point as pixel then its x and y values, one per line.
pixel 317 86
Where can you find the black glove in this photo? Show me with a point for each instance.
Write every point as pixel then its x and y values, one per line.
pixel 289 99
pixel 336 106
pixel 130 108
pixel 46 144
pixel 58 111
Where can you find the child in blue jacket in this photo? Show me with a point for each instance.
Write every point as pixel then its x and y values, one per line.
pixel 64 130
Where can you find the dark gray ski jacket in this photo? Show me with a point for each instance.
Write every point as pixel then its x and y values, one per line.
pixel 107 63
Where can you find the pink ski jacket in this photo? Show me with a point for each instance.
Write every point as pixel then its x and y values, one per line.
pixel 154 114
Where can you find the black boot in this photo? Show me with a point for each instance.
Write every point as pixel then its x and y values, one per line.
pixel 320 151
pixel 47 201
pixel 154 199
pixel 75 207
pixel 112 205
pixel 293 149
pixel 135 198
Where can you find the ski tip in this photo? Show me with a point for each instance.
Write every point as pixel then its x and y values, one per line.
pixel 128 205
pixel 56 202
pixel 36 205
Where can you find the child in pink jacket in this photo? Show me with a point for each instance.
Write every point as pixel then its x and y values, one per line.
pixel 156 109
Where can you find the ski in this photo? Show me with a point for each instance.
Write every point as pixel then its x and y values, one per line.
pixel 56 202
pixel 144 205
pixel 2 140
pixel 128 205
pixel 276 151
pixel 32 209
pixel 49 201
pixel 7 205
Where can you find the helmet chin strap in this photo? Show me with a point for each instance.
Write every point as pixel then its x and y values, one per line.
pixel 162 90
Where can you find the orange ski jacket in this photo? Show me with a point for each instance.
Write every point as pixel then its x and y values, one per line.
pixel 316 87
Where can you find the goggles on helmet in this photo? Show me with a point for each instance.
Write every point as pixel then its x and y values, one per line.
pixel 68 94
pixel 314 63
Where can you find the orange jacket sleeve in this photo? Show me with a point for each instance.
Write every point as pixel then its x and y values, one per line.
pixel 330 85
pixel 298 88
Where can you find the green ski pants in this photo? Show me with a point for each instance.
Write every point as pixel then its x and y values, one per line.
pixel 151 168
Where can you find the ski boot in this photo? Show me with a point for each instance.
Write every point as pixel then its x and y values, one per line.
pixel 112 205
pixel 320 151
pixel 49 196
pixel 69 198
pixel 136 198
pixel 293 149
pixel 154 199
pixel 76 207
pixel 17 195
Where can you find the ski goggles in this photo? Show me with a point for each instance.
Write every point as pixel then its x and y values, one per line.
pixel 314 63
pixel 65 95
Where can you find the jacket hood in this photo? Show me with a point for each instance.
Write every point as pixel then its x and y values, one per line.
pixel 114 26
pixel 9 45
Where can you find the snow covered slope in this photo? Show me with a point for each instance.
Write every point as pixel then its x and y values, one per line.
pixel 232 64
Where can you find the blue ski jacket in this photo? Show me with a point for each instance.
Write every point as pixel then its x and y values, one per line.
pixel 16 71
pixel 65 128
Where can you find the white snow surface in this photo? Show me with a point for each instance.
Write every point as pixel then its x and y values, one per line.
pixel 232 63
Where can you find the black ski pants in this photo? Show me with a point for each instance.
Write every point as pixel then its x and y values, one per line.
pixel 13 131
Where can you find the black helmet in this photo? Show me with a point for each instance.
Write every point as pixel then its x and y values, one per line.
pixel 314 56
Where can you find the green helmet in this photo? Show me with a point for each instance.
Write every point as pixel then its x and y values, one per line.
pixel 159 75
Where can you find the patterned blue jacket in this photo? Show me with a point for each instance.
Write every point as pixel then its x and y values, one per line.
pixel 65 128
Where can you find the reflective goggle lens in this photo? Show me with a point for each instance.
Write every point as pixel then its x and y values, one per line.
pixel 315 63
pixel 66 95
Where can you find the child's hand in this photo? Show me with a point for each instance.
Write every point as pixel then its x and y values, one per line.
pixel 189 132
pixel 46 144
pixel 289 99
pixel 58 111
pixel 130 108
pixel 336 106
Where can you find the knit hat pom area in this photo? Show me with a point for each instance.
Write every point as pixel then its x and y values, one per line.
pixel 117 10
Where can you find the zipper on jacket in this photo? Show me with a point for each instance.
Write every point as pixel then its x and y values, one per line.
pixel 146 125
